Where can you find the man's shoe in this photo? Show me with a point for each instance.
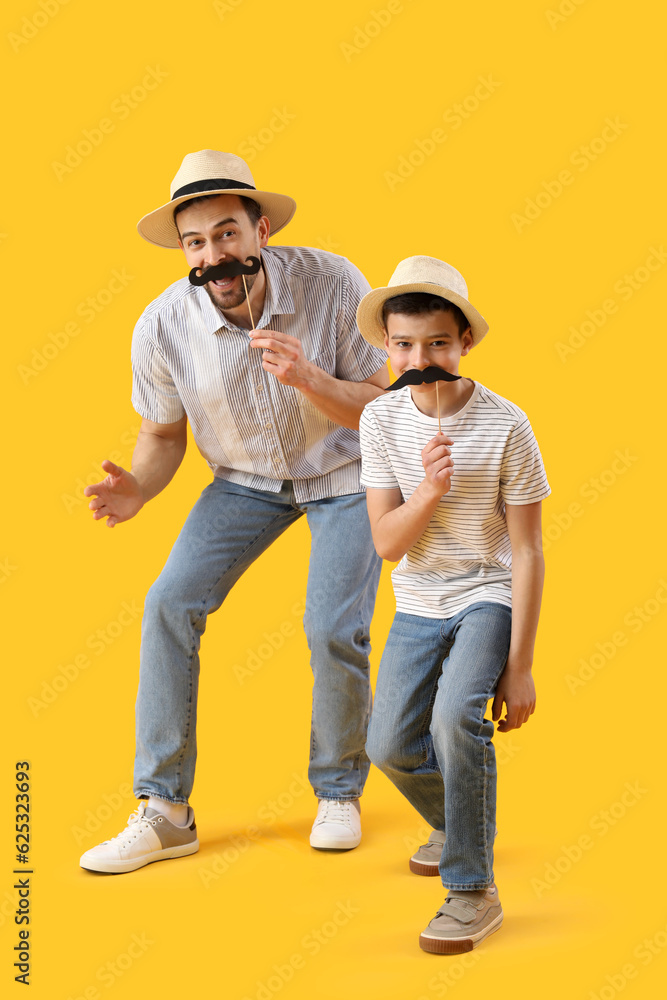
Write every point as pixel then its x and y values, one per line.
pixel 427 859
pixel 337 825
pixel 148 837
pixel 462 922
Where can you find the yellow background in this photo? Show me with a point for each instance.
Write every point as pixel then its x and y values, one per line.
pixel 359 86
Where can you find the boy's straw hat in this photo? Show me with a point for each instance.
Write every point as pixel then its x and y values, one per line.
pixel 418 274
pixel 212 172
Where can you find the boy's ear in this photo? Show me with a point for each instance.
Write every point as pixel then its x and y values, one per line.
pixel 386 339
pixel 466 340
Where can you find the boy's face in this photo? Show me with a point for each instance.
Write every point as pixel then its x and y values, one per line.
pixel 422 340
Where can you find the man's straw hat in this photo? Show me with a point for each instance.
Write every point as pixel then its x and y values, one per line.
pixel 212 172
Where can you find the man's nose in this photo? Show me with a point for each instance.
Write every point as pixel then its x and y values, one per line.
pixel 213 257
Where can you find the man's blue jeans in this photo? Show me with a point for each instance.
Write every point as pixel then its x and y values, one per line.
pixel 429 735
pixel 228 528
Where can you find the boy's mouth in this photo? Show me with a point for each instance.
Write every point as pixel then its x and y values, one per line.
pixel 415 376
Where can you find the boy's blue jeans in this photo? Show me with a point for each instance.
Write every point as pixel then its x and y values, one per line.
pixel 227 529
pixel 429 735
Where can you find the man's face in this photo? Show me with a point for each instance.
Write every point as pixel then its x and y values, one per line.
pixel 219 230
pixel 423 340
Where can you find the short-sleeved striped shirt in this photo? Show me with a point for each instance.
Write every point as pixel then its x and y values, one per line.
pixel 187 358
pixel 464 555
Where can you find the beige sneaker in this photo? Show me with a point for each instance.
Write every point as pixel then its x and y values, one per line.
pixel 463 921
pixel 148 837
pixel 426 860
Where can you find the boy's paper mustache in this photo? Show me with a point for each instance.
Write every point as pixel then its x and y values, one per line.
pixel 227 270
pixel 416 377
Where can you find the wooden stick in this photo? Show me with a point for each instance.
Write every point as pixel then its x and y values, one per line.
pixel 248 301
pixel 437 403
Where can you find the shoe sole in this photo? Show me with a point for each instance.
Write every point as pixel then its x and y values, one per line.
pixel 121 867
pixel 457 945
pixel 424 867
pixel 332 845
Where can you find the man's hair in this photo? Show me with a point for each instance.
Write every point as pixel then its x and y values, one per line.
pixel 253 209
pixel 416 303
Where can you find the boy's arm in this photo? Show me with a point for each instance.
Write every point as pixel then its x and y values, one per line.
pixel 516 687
pixel 396 525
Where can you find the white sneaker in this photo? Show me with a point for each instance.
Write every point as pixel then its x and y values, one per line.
pixel 337 825
pixel 148 837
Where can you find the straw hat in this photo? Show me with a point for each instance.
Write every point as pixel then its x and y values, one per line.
pixel 212 172
pixel 418 274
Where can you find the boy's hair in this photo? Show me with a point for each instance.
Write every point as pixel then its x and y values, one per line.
pixel 253 208
pixel 415 303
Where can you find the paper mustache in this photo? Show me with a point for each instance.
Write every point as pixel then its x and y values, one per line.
pixel 227 270
pixel 415 377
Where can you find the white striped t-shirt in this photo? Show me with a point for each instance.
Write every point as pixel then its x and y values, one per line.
pixel 464 555
pixel 188 358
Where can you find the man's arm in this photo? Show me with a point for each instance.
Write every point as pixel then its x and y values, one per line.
pixel 157 455
pixel 396 525
pixel 337 399
pixel 516 687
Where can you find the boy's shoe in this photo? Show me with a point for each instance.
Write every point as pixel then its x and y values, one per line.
pixel 427 859
pixel 148 837
pixel 337 825
pixel 463 921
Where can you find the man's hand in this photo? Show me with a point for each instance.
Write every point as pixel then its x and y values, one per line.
pixel 438 464
pixel 516 689
pixel 118 497
pixel 283 356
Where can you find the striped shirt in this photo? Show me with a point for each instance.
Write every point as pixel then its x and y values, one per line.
pixel 187 358
pixel 464 555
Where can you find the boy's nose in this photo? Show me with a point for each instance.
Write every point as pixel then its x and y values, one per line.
pixel 419 359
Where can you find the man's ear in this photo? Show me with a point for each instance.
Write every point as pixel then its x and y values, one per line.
pixel 263 230
pixel 386 339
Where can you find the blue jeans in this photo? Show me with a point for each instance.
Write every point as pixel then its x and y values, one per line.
pixel 429 735
pixel 227 529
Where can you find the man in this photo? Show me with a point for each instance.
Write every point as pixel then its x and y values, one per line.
pixel 274 411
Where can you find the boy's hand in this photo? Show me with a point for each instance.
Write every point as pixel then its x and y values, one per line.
pixel 438 464
pixel 517 690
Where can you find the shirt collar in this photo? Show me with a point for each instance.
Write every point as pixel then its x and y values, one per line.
pixel 278 300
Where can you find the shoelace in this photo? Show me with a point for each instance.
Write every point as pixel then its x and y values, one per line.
pixel 334 811
pixel 137 824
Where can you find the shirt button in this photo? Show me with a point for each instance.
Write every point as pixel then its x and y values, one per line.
pixel 268 427
pixel 259 388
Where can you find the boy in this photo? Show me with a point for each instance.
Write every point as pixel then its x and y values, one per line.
pixel 460 509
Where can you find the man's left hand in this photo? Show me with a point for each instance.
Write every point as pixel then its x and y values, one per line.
pixel 283 356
